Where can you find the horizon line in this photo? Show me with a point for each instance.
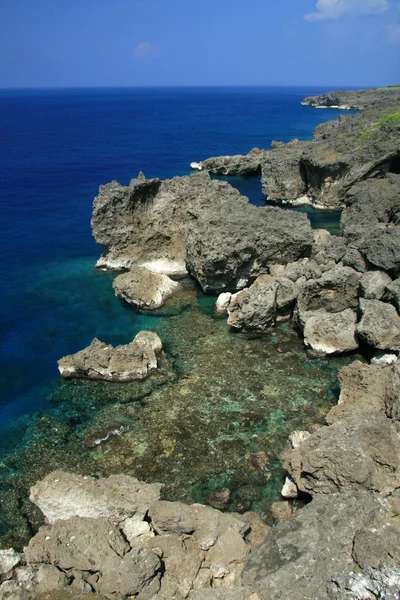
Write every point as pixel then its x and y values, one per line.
pixel 191 86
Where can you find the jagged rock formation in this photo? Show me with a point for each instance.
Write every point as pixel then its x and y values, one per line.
pixel 146 222
pixel 124 363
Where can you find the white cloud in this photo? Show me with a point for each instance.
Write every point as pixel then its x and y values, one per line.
pixel 393 32
pixel 143 50
pixel 335 9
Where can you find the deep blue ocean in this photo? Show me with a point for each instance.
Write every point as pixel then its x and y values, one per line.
pixel 56 147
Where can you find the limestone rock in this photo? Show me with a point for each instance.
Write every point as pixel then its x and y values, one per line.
pixel 248 164
pixel 298 555
pixel 63 495
pixel 392 401
pixel 380 325
pixel 228 249
pixel 373 284
pixel 330 333
pixel 334 292
pixel 146 222
pixel 134 527
pixel 381 249
pixel 79 543
pixel 359 453
pixel 135 573
pixel 364 388
pixel 9 559
pixel 124 363
pixel 289 489
pixel 254 307
pixel 143 289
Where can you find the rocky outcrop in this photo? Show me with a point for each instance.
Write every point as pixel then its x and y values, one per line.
pixel 297 557
pixel 358 453
pixel 61 496
pixel 228 250
pixel 144 289
pixel 335 291
pixel 380 325
pixel 329 333
pixel 355 99
pixel 146 222
pixel 165 548
pixel 255 307
pixel 364 388
pixel 129 362
pixel 243 165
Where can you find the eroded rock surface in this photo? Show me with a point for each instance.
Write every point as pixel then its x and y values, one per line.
pixel 358 453
pixel 123 363
pixel 61 496
pixel 297 557
pixel 143 288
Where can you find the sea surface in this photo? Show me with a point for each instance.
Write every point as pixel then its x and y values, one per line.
pixel 57 147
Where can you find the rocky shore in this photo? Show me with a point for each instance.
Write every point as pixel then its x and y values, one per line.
pixel 336 532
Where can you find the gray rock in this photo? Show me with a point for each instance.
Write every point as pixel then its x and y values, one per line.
pixel 380 325
pixel 255 307
pixel 78 543
pixel 377 547
pixel 368 584
pixel 205 522
pixel 146 222
pixel 248 164
pixel 373 284
pixel 135 573
pixel 299 554
pixel 228 249
pixel 334 292
pixel 393 292
pixel 329 333
pixel 359 453
pixel 124 363
pixel 381 248
pixel 144 289
pixel 364 388
pixel 10 590
pixel 63 495
pixel 282 177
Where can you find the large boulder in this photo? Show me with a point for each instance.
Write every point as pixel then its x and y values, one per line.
pixel 393 292
pixel 62 495
pixel 380 325
pixel 228 249
pixel 255 307
pixel 329 333
pixel 381 248
pixel 144 289
pixel 129 362
pixel 359 453
pixel 364 388
pixel 335 291
pixel 282 175
pixel 297 557
pixel 373 284
pixel 146 222
pixel 238 164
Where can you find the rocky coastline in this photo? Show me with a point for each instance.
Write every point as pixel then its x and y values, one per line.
pixel 337 524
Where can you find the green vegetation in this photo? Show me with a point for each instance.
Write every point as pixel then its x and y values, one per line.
pixel 389 118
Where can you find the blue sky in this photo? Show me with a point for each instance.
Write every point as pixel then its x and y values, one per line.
pixel 53 43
